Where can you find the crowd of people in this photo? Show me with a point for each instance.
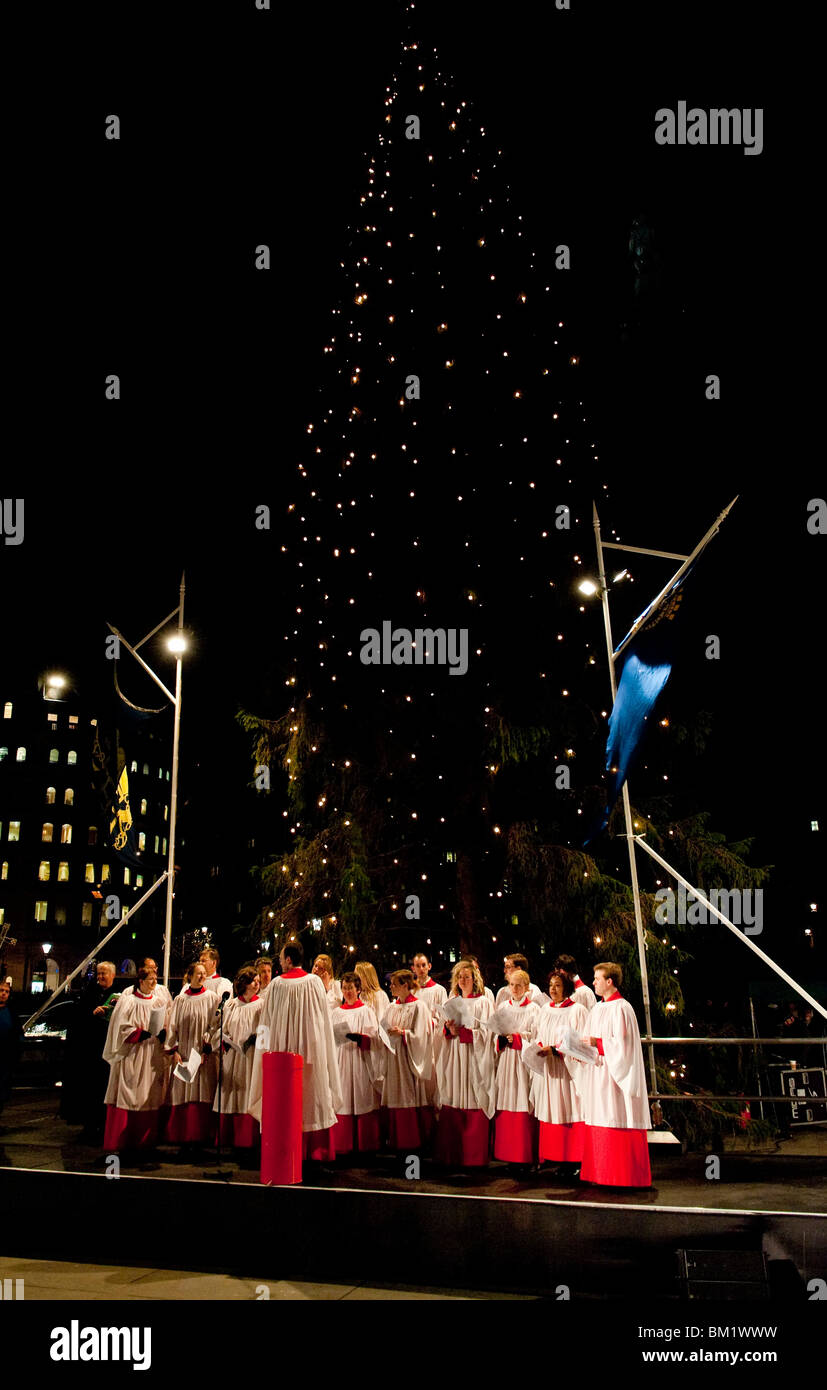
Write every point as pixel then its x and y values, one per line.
pixel 453 1074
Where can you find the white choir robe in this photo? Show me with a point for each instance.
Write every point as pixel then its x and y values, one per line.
pixel 297 1018
pixel 380 1003
pixel 191 1025
pixel 163 998
pixel 334 994
pixel 436 997
pixel 515 1128
pixel 219 984
pixel 535 995
pixel 554 1093
pixel 407 1112
pixel 241 1021
pixel 615 1100
pixel 357 1123
pixel 138 1076
pixel 584 994
pixel 466 1090
pixel 487 992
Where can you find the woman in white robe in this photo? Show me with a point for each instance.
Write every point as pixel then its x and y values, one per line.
pixel 615 1094
pixel 323 967
pixel 241 1019
pixel 138 1070
pixel 554 1091
pixel 407 1113
pixel 465 1075
pixel 356 1029
pixel 191 1027
pixel 515 1128
pixel 370 992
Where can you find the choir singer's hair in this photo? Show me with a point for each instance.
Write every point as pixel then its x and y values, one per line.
pixel 520 976
pixel 403 977
pixel 424 955
pixel 351 978
pixel 479 987
pixel 212 953
pixel 518 962
pixel 370 982
pixel 565 981
pixel 244 978
pixel 612 971
pixel 294 952
pixel 567 963
pixel 143 974
pixel 263 960
pixel 326 963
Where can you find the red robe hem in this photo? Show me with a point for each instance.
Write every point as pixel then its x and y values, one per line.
pixel 462 1138
pixel 190 1123
pixel 562 1143
pixel 240 1131
pixel 408 1127
pixel 616 1157
pixel 515 1137
pixel 357 1133
pixel 131 1129
pixel 319 1145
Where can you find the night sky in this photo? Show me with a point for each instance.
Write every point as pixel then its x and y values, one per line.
pixel 221 366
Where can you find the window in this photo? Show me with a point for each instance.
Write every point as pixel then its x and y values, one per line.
pixel 103 919
pixel 44 871
pixel 814 825
pixel 60 917
pixel 2 915
pixel 66 834
pixel 89 874
pixel 71 758
pixel 126 877
pixel 73 719
pixel 156 844
pixel 14 830
pixel 93 835
pixel 167 774
pixel 166 812
pixel 54 755
pixel 450 856
pixel 105 874
pixel 21 755
pixel 4 870
pixel 63 872
pixel 146 769
pixel 50 796
pixel 4 753
pixel 143 807
pixel 160 774
pixel 86 915
pixel 40 911
pixel 51 718
pixel 133 766
pixel 47 832
pixel 141 840
pixel 7 709
pixel 139 880
pixel 69 797
pixel 164 845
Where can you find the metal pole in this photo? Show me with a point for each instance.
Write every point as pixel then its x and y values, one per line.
pixel 755 1049
pixel 627 812
pixel 173 804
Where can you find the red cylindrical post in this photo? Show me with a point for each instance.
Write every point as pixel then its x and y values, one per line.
pixel 281 1117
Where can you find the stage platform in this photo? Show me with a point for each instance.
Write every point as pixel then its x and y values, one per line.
pixel 372 1223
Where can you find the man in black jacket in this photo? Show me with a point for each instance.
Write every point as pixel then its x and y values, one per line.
pixel 86 1075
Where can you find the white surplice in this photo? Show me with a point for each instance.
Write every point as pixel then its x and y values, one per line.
pixel 554 1093
pixel 513 1078
pixel 297 1017
pixel 407 1070
pixel 192 1022
pixel 614 1092
pixel 240 1023
pixel 356 1064
pixel 465 1071
pixel 138 1071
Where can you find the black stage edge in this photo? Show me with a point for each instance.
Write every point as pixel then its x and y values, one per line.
pixel 341 1235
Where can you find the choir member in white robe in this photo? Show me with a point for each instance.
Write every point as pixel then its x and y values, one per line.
pixel 515 1128
pixel 355 1029
pixel 407 1112
pixel 465 1077
pixel 323 967
pixel 615 1099
pixel 162 994
pixel 219 984
pixel 510 964
pixel 264 968
pixel 554 1091
pixel 191 1027
pixel 370 992
pixel 436 997
pixel 567 965
pixel 241 1018
pixel 297 1018
pixel 138 1070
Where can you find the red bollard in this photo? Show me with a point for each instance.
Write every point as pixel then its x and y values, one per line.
pixel 281 1117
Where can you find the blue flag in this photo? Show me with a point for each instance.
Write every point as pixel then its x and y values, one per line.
pixel 647 667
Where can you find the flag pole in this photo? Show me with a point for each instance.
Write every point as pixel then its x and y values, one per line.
pixel 627 812
pixel 173 804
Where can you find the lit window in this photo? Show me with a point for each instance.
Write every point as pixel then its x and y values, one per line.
pixel 4 753
pixel 50 796
pixel 60 916
pixel 103 919
pixel 141 840
pixel 2 915
pixel 7 710
pixel 133 767
pixel 71 758
pixel 54 755
pixel 126 877
pixel 166 812
pixel 167 774
pixel 146 769
pixel 63 872
pixel 450 856
pixel 160 774
pixel 51 718
pixel 814 825
pixel 14 829
pixel 69 797
pixel 105 874
pixel 21 755
pixel 139 880
pixel 66 834
pixel 89 875
pixel 4 870
pixel 73 719
pixel 93 835
pixel 40 911
pixel 47 832
pixel 156 844
pixel 143 807
pixel 86 915
pixel 44 871
pixel 164 846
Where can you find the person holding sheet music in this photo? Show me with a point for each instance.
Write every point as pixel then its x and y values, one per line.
pixel 138 1069
pixel 515 1128
pixel 510 964
pixel 241 1018
pixel 407 1112
pixel 554 1091
pixel 191 1026
pixel 355 1029
pixel 615 1098
pixel 436 997
pixel 465 1074
pixel 370 992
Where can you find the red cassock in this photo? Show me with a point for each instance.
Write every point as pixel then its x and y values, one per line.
pixel 615 1100
pixel 241 1019
pixel 138 1075
pixel 466 1091
pixel 406 1111
pixel 554 1087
